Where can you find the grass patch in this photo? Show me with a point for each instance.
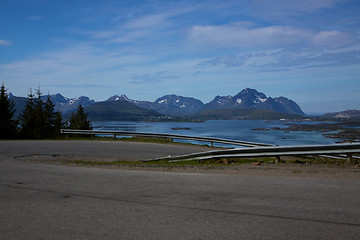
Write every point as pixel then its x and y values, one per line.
pixel 150 164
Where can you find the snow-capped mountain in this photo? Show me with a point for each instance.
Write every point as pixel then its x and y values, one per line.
pixel 62 104
pixel 172 105
pixel 220 102
pixel 252 99
pixel 178 105
pixel 122 97
pixel 68 105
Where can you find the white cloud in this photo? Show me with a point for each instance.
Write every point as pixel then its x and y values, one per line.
pixel 334 39
pixel 286 7
pixel 143 29
pixel 282 59
pixel 237 36
pixel 4 43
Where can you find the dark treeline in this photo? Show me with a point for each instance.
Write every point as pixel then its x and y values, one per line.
pixel 39 119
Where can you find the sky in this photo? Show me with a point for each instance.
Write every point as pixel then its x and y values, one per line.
pixel 307 51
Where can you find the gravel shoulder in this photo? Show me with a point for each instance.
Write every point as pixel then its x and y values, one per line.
pixel 291 169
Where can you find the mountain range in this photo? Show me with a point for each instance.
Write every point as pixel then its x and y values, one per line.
pixel 169 105
pixel 344 114
pixel 174 105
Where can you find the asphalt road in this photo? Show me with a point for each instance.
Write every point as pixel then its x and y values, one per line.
pixel 59 202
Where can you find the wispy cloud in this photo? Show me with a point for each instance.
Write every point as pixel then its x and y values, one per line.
pixel 289 7
pixel 79 86
pixel 284 59
pixel 156 77
pixel 148 21
pixel 234 35
pixel 76 65
pixel 35 18
pixel 226 61
pixel 4 43
pixel 334 39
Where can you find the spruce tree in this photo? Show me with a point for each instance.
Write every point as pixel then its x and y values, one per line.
pixel 39 116
pixel 7 109
pixel 79 120
pixel 58 124
pixel 26 119
pixel 53 120
pixel 39 120
pixel 49 119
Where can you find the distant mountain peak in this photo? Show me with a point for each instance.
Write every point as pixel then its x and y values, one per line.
pixel 122 97
pixel 177 105
pixel 250 98
pixel 66 105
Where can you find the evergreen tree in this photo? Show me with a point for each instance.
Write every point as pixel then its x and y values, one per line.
pixel 26 118
pixel 39 116
pixel 58 124
pixel 49 118
pixel 39 120
pixel 53 120
pixel 7 123
pixel 79 120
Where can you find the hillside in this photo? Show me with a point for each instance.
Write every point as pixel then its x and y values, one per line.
pixel 119 111
pixel 243 114
pixel 343 114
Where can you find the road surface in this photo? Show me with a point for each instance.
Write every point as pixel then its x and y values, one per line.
pixel 40 201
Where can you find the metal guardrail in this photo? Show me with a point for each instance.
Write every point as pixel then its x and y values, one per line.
pixel 252 149
pixel 273 151
pixel 172 136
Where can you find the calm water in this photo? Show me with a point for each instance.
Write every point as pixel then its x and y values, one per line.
pixel 229 129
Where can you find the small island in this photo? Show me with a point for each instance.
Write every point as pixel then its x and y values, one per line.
pixel 180 128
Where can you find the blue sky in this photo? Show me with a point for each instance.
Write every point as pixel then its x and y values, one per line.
pixel 308 50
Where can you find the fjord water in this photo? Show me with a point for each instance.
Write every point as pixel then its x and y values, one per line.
pixel 229 129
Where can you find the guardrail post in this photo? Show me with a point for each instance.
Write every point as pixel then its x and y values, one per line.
pixel 277 159
pixel 212 144
pixel 114 137
pixel 349 158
